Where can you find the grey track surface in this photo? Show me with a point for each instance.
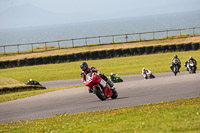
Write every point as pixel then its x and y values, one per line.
pixel 133 91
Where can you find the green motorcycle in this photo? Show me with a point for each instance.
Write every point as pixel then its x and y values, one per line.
pixel 115 78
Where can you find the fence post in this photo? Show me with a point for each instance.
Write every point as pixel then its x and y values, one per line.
pixel 73 43
pixel 18 48
pixel 86 41
pixel 45 43
pixel 180 32
pixel 32 47
pixel 153 35
pixel 4 49
pixel 140 36
pixel 167 34
pixel 59 44
pixel 126 37
pixel 113 40
pixel 99 40
pixel 193 31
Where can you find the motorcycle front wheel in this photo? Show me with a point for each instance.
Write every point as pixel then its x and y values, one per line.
pixel 115 94
pixel 99 93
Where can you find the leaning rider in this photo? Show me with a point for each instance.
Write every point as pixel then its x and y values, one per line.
pixel 85 70
pixel 191 59
pixel 145 72
pixel 179 62
pixel 113 76
pixel 32 82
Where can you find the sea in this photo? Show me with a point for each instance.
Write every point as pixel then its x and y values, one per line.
pixel 97 28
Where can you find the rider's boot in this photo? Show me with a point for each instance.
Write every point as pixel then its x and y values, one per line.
pixel 111 84
pixel 171 68
pixel 90 90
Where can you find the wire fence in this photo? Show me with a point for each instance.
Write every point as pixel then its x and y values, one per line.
pixel 61 44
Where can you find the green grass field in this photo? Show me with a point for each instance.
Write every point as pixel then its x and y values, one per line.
pixel 173 116
pixel 124 66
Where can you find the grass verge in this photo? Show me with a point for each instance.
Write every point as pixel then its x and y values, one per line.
pixel 181 115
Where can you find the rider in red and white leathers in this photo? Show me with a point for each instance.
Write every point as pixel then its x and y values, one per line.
pixel 85 70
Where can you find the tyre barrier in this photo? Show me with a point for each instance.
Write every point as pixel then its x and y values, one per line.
pixel 87 55
pixel 187 47
pixel 30 61
pixel 94 55
pixel 99 55
pixel 5 64
pixel 63 58
pixel 195 46
pixel 126 52
pixel 164 48
pixel 110 53
pixel 134 51
pixel 180 47
pixel 38 61
pixel 157 49
pixel 55 59
pixel 46 60
pixel 102 54
pixel 172 48
pixel 149 49
pixel 6 90
pixel 22 63
pixel 14 63
pixel 141 50
pixel 78 56
pixel 71 57
pixel 118 52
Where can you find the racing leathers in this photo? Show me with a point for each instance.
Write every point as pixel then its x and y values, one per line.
pixel 146 72
pixel 172 63
pixel 93 69
pixel 187 63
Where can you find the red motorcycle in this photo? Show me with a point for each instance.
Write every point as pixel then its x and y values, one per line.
pixel 100 87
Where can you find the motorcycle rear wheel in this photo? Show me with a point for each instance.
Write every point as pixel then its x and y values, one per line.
pixel 99 93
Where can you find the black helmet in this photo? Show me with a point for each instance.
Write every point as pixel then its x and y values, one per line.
pixel 175 56
pixel 84 66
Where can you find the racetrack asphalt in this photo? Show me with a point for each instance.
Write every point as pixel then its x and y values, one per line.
pixel 133 91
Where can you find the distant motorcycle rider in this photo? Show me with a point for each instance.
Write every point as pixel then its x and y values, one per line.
pixel 146 72
pixel 191 59
pixel 113 76
pixel 172 62
pixel 85 70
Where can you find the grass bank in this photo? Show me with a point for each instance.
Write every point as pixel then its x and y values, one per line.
pixel 124 66
pixel 181 115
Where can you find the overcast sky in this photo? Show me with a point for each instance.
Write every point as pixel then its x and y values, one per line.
pixel 103 9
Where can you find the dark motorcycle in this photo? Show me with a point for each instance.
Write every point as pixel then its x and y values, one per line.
pixel 191 67
pixel 175 67
pixel 100 87
pixel 115 78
